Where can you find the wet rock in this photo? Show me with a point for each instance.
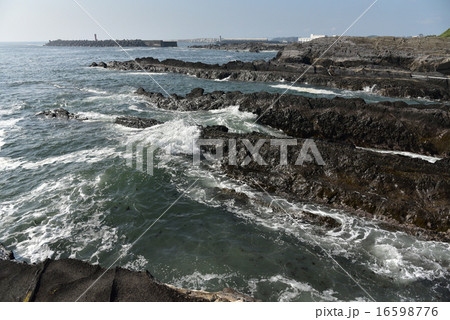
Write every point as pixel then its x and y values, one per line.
pixel 60 113
pixel 423 129
pixel 409 194
pixel 136 122
pixel 67 280
pixel 247 46
pixel 195 93
pixel 392 66
pixel 100 64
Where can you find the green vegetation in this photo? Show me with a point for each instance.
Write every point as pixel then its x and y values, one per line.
pixel 445 34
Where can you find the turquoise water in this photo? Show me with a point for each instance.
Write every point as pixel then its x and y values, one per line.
pixel 66 191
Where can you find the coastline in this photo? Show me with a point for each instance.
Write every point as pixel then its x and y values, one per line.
pixel 387 165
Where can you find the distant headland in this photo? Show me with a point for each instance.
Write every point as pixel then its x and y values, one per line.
pixel 110 43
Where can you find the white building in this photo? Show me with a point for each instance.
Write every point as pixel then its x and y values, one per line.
pixel 312 37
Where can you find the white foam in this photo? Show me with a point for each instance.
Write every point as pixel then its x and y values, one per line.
pixel 292 289
pixel 96 116
pixel 2 139
pixel 146 73
pixel 135 108
pixel 172 137
pixel 96 91
pixel 404 153
pixel 407 261
pixel 8 125
pixel 369 89
pixel 58 205
pixel 86 156
pixel 200 281
pixel 224 79
pixel 139 264
pixel 9 163
pixel 393 254
pixel 234 119
pixel 305 89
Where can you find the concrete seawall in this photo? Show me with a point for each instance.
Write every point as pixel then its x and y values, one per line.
pixel 111 43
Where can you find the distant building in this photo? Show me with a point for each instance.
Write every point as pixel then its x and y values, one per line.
pixel 312 37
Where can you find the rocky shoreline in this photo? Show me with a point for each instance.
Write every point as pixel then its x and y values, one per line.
pixel 67 280
pixel 394 67
pixel 423 129
pixel 398 192
pixel 401 193
pixel 246 46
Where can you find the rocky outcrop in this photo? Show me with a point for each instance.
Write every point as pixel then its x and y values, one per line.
pixel 423 129
pixel 70 280
pixel 394 67
pixel 243 46
pixel 60 113
pixel 400 193
pixel 136 122
pixel 429 54
pixel 100 64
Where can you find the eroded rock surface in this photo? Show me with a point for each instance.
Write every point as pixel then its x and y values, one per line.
pixel 70 280
pixel 405 194
pixel 390 66
pixel 136 122
pixel 423 129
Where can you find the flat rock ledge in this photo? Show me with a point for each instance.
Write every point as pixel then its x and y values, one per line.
pixel 68 280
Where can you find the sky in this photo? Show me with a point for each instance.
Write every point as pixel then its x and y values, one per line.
pixel 43 20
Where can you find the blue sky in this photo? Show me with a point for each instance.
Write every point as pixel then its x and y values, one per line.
pixel 31 20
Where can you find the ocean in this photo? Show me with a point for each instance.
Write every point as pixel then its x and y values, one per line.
pixel 66 190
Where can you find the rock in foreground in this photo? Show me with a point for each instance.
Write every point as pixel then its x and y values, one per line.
pixel 67 281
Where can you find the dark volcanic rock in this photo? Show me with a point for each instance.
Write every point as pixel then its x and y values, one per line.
pixel 100 64
pixel 136 122
pixel 377 53
pixel 60 114
pixel 422 129
pixel 246 46
pixel 406 194
pixel 68 280
pixel 395 67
